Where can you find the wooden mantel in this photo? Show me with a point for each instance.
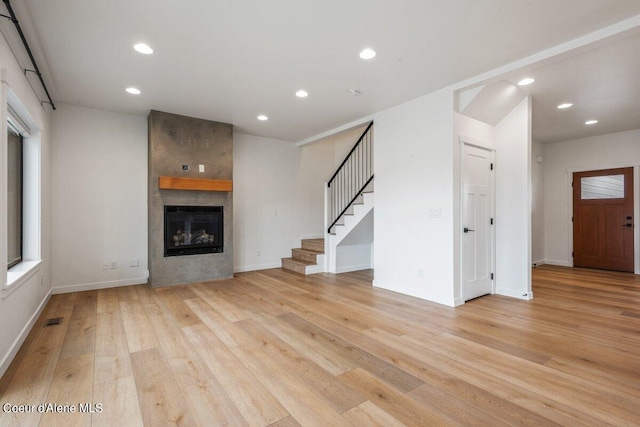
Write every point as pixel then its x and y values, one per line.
pixel 198 184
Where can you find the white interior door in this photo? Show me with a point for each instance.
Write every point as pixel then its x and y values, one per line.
pixel 477 221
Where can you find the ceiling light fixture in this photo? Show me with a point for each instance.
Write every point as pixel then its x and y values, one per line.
pixel 302 93
pixel 353 92
pixel 565 105
pixel 590 122
pixel 143 48
pixel 368 54
pixel 262 117
pixel 526 82
pixel 133 91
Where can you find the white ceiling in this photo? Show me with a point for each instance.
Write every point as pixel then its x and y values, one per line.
pixel 602 83
pixel 230 60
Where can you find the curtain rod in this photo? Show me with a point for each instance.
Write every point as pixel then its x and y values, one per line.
pixel 26 46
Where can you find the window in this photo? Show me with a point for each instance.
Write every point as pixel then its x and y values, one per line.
pixel 602 187
pixel 20 195
pixel 14 196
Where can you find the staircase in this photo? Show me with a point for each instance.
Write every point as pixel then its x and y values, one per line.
pixel 348 217
pixel 307 259
pixel 349 207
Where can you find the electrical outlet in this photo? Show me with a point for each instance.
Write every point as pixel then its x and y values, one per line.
pixel 114 265
pixel 420 272
pixel 258 252
pixel 200 168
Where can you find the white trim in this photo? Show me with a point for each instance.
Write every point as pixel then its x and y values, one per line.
pixel 256 267
pixel 17 343
pixel 475 142
pixel 538 263
pixel 341 129
pixel 99 285
pixel 16 124
pixel 19 275
pixel 558 263
pixel 351 268
pixel 514 294
pixel 401 290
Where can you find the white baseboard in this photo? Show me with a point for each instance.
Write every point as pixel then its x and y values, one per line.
pixel 558 263
pixel 410 292
pixel 458 301
pixel 99 285
pixel 256 267
pixel 350 268
pixel 538 263
pixel 514 293
pixel 13 350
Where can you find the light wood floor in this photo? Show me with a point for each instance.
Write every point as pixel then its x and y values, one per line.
pixel 275 348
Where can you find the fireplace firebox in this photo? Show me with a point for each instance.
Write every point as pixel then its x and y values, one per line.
pixel 193 230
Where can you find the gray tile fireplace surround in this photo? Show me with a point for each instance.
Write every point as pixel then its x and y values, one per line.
pixel 175 141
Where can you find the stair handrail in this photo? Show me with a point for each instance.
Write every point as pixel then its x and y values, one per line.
pixel 350 152
pixel 351 178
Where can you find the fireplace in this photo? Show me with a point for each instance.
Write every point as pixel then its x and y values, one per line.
pixel 193 230
pixel 186 149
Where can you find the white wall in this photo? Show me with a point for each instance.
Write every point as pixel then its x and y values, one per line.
pixel 414 174
pixel 99 187
pixel 537 202
pixel 355 252
pixel 21 304
pixel 513 203
pixel 561 159
pixel 265 173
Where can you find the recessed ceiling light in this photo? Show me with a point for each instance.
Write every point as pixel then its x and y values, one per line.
pixel 590 122
pixel 367 54
pixel 526 82
pixel 302 93
pixel 565 105
pixel 353 92
pixel 143 48
pixel 262 117
pixel 133 90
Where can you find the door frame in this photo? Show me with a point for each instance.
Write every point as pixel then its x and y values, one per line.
pixel 636 207
pixel 465 140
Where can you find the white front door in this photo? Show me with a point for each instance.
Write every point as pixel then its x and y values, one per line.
pixel 477 221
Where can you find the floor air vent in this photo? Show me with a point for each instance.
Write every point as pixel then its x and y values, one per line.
pixel 53 321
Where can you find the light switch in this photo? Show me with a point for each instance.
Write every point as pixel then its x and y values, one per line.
pixel 200 168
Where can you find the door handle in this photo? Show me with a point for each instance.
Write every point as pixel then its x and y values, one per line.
pixel 627 225
pixel 467 229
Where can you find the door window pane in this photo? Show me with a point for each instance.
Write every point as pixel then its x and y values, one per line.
pixel 602 187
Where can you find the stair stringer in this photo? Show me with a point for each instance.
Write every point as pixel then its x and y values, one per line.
pixel 350 221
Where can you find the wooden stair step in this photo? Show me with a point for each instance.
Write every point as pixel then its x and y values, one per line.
pixel 295 265
pixel 313 244
pixel 305 255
